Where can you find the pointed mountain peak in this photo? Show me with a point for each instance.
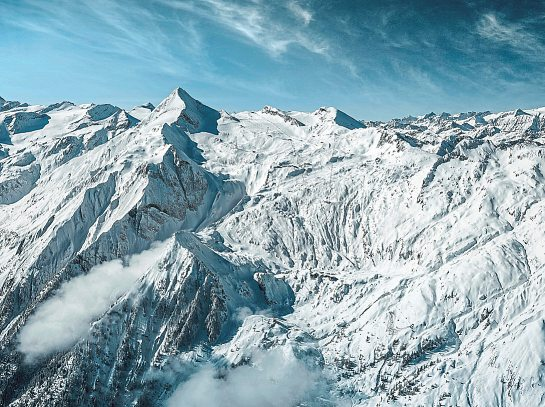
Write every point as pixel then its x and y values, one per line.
pixel 181 109
pixel 2 100
pixel 333 114
pixel 182 94
pixel 180 98
pixel 429 115
pixel 345 120
pixel 520 112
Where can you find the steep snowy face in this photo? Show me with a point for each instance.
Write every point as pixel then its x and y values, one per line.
pixel 142 112
pixel 186 112
pixel 332 115
pixel 396 263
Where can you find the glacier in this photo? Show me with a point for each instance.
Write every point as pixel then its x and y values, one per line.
pixel 180 255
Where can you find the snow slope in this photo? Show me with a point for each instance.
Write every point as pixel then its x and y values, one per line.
pixel 396 263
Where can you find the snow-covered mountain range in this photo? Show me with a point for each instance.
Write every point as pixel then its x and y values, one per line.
pixel 181 256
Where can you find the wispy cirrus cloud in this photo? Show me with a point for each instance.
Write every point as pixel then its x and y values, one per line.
pixel 300 12
pixel 105 27
pixel 366 57
pixel 259 22
pixel 514 34
pixel 267 26
pixel 173 37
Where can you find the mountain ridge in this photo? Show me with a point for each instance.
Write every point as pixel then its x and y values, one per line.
pixel 393 263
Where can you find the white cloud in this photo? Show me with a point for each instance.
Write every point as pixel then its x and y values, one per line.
pixel 65 318
pixel 171 36
pixel 273 379
pixel 130 30
pixel 513 34
pixel 256 22
pixel 301 13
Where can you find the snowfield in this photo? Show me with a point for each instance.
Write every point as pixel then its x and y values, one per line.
pixel 182 256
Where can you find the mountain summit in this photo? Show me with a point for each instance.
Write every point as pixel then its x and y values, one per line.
pixel 180 108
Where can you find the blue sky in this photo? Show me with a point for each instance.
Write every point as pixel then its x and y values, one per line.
pixel 372 59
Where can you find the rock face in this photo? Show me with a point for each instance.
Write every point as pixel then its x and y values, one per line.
pixel 402 262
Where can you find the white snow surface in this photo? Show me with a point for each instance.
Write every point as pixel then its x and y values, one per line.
pixel 402 262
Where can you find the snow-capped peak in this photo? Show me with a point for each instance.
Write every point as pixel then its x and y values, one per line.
pixel 188 113
pixel 334 115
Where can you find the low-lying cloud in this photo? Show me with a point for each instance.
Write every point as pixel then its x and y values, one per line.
pixel 273 379
pixel 63 319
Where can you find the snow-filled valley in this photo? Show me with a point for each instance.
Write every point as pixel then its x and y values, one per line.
pixel 182 256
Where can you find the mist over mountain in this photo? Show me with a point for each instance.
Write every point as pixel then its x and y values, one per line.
pixel 180 255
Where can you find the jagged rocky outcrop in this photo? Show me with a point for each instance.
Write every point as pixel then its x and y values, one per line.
pixel 402 260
